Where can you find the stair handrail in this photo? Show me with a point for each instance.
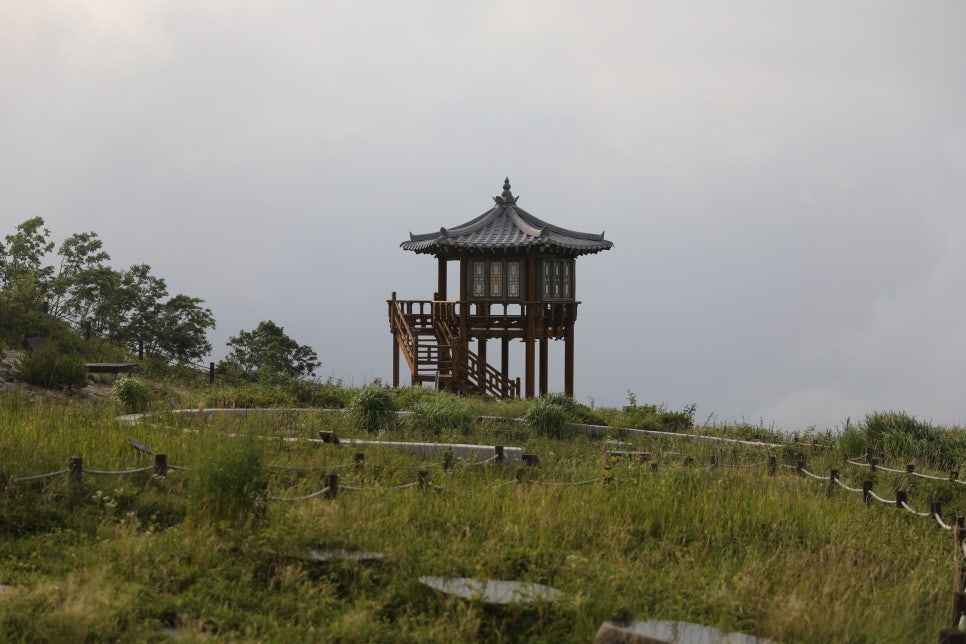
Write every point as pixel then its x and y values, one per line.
pixel 493 383
pixel 405 337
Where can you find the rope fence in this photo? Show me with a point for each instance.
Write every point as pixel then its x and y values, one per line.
pixel 332 486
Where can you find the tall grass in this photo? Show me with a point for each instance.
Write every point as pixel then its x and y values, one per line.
pixel 777 556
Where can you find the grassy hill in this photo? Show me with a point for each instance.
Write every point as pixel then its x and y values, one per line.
pixel 698 531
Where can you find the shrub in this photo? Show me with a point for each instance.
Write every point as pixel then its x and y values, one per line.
pixel 900 436
pixel 374 408
pixel 133 393
pixel 46 367
pixel 227 482
pixel 547 417
pixel 441 414
pixel 678 420
pixel 328 395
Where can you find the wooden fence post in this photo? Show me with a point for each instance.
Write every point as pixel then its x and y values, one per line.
pixel 959 534
pixel 901 497
pixel 332 483
pixel 953 475
pixel 498 453
pixel 160 465
pixel 531 460
pixel 873 462
pixel 772 464
pixel 448 460
pixel 422 477
pixel 833 476
pixel 801 467
pixel 910 468
pixel 75 470
pixel 360 460
pixel 867 491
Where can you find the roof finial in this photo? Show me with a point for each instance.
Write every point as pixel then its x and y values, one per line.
pixel 507 196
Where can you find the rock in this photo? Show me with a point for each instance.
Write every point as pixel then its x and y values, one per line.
pixel 493 591
pixel 669 632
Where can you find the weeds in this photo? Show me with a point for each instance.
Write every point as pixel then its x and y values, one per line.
pixel 133 393
pixel 374 409
pixel 776 556
pixel 227 483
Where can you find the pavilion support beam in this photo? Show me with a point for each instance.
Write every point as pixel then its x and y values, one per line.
pixel 569 361
pixel 460 359
pixel 530 368
pixel 544 366
pixel 481 353
pixel 505 363
pixel 531 328
pixel 440 279
pixel 395 360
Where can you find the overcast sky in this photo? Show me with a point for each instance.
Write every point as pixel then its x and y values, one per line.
pixel 784 182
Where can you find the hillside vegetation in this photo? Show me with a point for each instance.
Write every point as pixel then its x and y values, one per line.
pixel 696 530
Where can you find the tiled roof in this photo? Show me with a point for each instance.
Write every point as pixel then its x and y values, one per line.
pixel 506 227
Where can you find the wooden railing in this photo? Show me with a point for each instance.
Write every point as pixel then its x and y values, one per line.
pixel 551 319
pixel 471 370
pixel 428 332
pixel 411 323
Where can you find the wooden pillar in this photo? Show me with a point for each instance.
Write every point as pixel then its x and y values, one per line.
pixel 505 363
pixel 460 353
pixel 395 341
pixel 569 360
pixel 481 353
pixel 544 366
pixel 441 278
pixel 531 330
pixel 395 360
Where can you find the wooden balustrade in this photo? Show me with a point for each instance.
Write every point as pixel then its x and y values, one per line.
pixel 434 336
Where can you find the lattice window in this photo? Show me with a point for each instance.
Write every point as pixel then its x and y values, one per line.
pixel 496 279
pixel 479 279
pixel 558 279
pixel 513 279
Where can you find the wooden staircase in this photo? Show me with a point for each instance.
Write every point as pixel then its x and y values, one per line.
pixel 435 353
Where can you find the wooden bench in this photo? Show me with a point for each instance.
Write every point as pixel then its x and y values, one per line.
pixel 113 368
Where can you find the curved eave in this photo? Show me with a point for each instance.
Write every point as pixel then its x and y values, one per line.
pixel 451 248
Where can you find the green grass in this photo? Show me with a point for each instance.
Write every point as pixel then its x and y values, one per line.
pixel 123 558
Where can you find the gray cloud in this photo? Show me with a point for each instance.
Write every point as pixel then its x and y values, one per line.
pixel 784 183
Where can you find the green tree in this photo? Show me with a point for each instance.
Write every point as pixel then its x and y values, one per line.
pixel 180 333
pixel 136 303
pixel 130 308
pixel 82 281
pixel 24 252
pixel 267 354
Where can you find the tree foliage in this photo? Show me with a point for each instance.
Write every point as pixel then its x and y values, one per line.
pixel 128 307
pixel 267 354
pixel 23 253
